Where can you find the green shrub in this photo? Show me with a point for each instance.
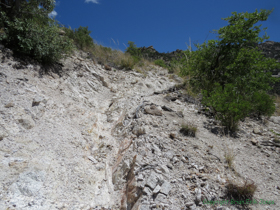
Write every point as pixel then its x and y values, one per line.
pixel 81 37
pixel 160 62
pixel 231 72
pixel 34 35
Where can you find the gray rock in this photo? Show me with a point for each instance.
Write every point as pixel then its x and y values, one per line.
pixel 157 189
pixel 189 204
pixel 152 180
pixel 3 134
pixel 147 191
pixel 160 198
pixel 8 105
pixel 27 122
pixel 153 110
pixel 254 141
pixel 144 207
pixel 275 119
pixel 138 131
pixel 165 188
pixel 37 100
pixel 198 196
pixel 257 131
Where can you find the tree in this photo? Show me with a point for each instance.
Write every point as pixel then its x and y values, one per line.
pixel 231 72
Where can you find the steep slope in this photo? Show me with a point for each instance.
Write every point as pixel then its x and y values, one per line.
pixel 90 138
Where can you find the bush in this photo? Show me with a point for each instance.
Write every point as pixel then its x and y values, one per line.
pixel 81 37
pixel 160 62
pixel 231 73
pixel 34 37
pixel 241 192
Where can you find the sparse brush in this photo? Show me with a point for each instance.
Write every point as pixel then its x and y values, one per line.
pixel 241 192
pixel 189 129
pixel 229 157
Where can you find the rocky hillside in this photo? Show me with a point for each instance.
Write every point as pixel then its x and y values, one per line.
pixel 81 137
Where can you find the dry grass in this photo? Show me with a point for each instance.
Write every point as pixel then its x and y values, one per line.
pixel 229 158
pixel 189 129
pixel 241 191
pixel 116 58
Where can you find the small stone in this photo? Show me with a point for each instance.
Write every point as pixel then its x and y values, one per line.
pixel 138 131
pixel 27 122
pixel 144 207
pixel 147 191
pixel 164 169
pixel 160 198
pixel 189 204
pixel 140 177
pixel 92 159
pixel 165 188
pixel 3 134
pixel 37 100
pixel 11 104
pixel 152 180
pixel 257 131
pixel 198 196
pixel 157 189
pixel 172 135
pixel 254 141
pixel 153 110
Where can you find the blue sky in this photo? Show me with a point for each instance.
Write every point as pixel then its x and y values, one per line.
pixel 165 24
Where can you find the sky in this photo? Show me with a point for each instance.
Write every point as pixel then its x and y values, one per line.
pixel 164 24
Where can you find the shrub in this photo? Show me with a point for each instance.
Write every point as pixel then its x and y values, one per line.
pixel 241 192
pixel 231 72
pixel 81 37
pixel 34 34
pixel 188 130
pixel 160 62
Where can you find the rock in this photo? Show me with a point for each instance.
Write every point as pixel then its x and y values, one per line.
pixel 254 141
pixel 165 188
pixel 164 169
pixel 144 207
pixel 3 134
pixel 198 196
pixel 157 189
pixel 275 119
pixel 92 159
pixel 147 191
pixel 152 181
pixel 27 122
pixel 257 131
pixel 138 131
pixel 37 100
pixel 153 110
pixel 165 108
pixel 189 204
pixel 140 178
pixel 172 135
pixel 160 198
pixel 11 104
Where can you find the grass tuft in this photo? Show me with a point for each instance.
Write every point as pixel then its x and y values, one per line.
pixel 229 157
pixel 189 129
